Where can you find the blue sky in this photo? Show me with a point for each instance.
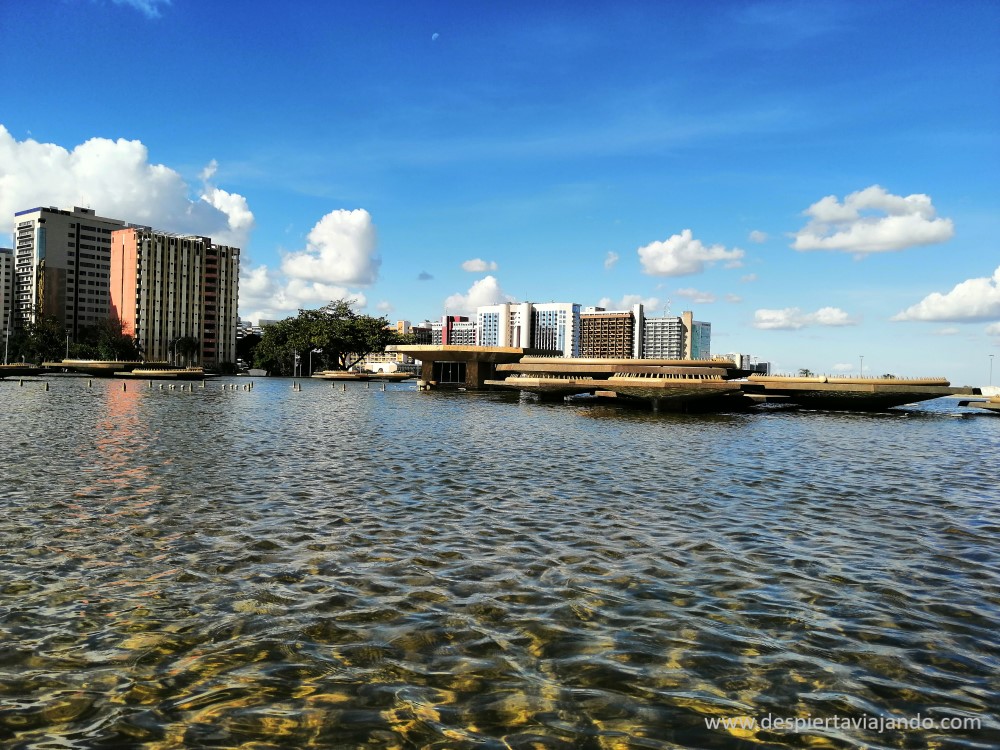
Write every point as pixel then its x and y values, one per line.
pixel 805 176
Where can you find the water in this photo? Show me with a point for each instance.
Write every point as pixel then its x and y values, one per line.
pixel 272 568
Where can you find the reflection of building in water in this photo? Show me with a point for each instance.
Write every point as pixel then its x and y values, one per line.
pixel 121 468
pixel 167 287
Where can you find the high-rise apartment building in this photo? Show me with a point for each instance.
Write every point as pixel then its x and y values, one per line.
pixel 453 330
pixel 62 265
pixel 607 333
pixel 611 333
pixel 676 338
pixel 546 325
pixel 506 324
pixel 166 287
pixel 556 326
pixel 6 295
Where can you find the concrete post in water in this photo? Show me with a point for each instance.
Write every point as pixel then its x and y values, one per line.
pixel 345 387
pixel 150 384
pixel 46 385
pixel 90 383
pixel 383 387
pixel 20 381
pixel 123 386
pixel 367 384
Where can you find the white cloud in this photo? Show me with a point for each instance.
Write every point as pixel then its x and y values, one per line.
pixel 150 8
pixel 949 331
pixel 872 221
pixel 734 298
pixel 478 265
pixel 695 295
pixel 993 329
pixel 384 306
pixel 681 255
pixel 758 237
pixel 626 302
pixel 610 260
pixel 340 249
pixel 972 300
pixel 116 179
pixel 266 295
pixel 843 367
pixel 792 318
pixel 750 277
pixel 486 291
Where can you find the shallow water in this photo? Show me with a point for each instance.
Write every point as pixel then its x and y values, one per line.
pixel 272 568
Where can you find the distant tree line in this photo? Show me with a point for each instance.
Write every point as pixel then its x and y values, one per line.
pixel 337 335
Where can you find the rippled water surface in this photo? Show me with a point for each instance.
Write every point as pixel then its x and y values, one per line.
pixel 274 568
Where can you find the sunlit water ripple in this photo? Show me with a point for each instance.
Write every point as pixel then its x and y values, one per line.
pixel 272 568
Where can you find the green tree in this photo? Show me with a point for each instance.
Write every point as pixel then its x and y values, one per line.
pixel 40 340
pixel 805 372
pixel 340 336
pixel 184 349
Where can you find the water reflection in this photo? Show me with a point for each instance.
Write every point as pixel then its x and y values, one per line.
pixel 401 569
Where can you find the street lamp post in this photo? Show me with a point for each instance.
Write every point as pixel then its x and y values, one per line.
pixel 862 365
pixel 991 369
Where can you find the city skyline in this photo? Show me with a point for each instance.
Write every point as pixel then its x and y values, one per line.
pixel 817 181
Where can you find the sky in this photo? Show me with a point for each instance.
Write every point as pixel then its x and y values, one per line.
pixel 820 181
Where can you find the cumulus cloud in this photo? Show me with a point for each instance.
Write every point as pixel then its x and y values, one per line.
pixel 734 298
pixel 384 306
pixel 681 255
pixel 792 318
pixel 843 367
pixel 610 260
pixel 953 331
pixel 872 221
pixel 340 249
pixel 116 179
pixel 478 265
pixel 339 253
pixel 758 237
pixel 627 301
pixel 486 291
pixel 424 276
pixel 695 295
pixel 750 277
pixel 993 329
pixel 971 300
pixel 264 294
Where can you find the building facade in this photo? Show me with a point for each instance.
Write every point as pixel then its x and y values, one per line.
pixel 62 266
pixel 676 337
pixel 167 287
pixel 453 330
pixel 506 324
pixel 607 333
pixel 6 296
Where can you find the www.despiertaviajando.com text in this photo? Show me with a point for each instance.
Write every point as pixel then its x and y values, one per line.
pixel 868 722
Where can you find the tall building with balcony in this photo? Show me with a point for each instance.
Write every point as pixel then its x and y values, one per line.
pixel 166 287
pixel 505 324
pixel 556 326
pixel 6 294
pixel 611 333
pixel 673 337
pixel 62 264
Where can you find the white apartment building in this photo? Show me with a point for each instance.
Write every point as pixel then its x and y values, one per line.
pixel 506 324
pixel 62 264
pixel 673 337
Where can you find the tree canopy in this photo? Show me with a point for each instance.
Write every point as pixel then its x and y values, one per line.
pixel 338 336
